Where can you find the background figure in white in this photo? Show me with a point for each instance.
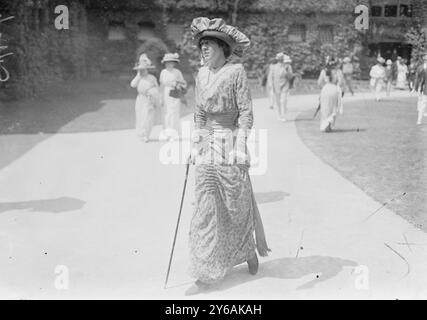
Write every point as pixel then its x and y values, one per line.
pixel 402 71
pixel 147 99
pixel 171 78
pixel 388 78
pixel 330 101
pixel 280 80
pixel 421 87
pixel 269 85
pixel 377 75
pixel 347 70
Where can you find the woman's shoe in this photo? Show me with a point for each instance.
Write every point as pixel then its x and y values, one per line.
pixel 196 288
pixel 253 265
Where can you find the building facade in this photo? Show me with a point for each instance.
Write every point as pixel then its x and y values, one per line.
pixel 106 36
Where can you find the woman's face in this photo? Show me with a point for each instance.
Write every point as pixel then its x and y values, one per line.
pixel 170 65
pixel 210 50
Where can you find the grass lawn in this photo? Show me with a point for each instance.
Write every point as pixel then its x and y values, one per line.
pixel 379 148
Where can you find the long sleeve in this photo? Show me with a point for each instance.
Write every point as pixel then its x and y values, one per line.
pixel 372 73
pixel 322 78
pixel 135 81
pixel 199 113
pixel 243 100
pixel 181 78
pixel 270 77
pixel 419 78
pixel 244 105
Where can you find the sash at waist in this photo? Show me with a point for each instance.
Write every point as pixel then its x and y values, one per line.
pixel 225 120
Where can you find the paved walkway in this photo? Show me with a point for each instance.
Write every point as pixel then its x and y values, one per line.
pixel 102 205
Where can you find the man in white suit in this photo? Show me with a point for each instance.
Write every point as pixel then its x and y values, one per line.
pixel 279 80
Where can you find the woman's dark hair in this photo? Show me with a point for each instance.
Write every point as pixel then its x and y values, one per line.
pixel 224 46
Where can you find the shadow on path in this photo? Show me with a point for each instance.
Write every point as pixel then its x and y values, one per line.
pixel 58 205
pixel 322 268
pixel 272 196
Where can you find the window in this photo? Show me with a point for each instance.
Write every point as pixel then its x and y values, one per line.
pixel 405 10
pixel 390 11
pixel 326 33
pixel 296 33
pixel 175 32
pixel 376 11
pixel 146 30
pixel 117 31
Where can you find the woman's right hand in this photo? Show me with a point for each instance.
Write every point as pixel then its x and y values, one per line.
pixel 194 153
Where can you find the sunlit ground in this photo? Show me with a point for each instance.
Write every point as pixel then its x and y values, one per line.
pixel 378 146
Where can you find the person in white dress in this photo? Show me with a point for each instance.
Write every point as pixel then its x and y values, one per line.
pixel 269 84
pixel 402 71
pixel 420 86
pixel 377 75
pixel 171 78
pixel 279 80
pixel 330 100
pixel 147 99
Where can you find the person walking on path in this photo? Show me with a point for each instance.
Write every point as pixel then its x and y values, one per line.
pixel 332 65
pixel 269 83
pixel 147 99
pixel 377 75
pixel 172 85
pixel 280 78
pixel 330 101
pixel 388 76
pixel 347 70
pixel 226 214
pixel 412 74
pixel 402 71
pixel 420 86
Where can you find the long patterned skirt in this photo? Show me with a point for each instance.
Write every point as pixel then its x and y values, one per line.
pixel 222 227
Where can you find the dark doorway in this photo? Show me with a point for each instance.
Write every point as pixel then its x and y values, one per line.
pixel 390 50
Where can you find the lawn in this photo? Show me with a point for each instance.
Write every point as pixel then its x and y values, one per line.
pixel 379 148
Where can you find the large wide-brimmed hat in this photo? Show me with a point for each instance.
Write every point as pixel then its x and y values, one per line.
pixel 286 59
pixel 170 57
pixel 217 28
pixel 280 56
pixel 143 63
pixel 381 60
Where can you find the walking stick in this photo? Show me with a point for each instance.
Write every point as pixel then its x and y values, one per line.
pixel 177 223
pixel 317 111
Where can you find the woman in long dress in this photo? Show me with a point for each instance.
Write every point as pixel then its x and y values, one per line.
pixel 388 76
pixel 170 78
pixel 147 99
pixel 226 214
pixel 402 71
pixel 330 101
pixel 377 74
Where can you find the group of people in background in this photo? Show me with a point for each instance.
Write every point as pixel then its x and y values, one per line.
pixel 412 77
pixel 336 78
pixel 385 73
pixel 151 96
